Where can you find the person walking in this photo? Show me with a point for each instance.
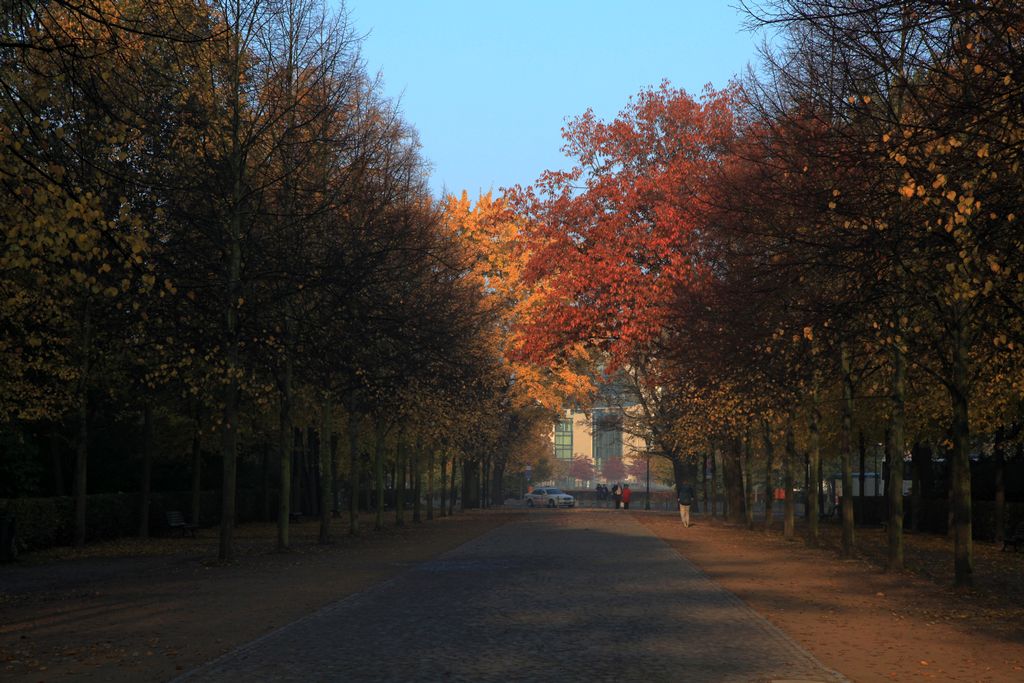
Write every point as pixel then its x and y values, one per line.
pixel 686 496
pixel 617 496
pixel 627 494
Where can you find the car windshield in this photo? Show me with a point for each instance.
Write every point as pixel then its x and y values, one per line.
pixel 554 492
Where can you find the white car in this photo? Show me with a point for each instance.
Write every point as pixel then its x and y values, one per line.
pixel 550 497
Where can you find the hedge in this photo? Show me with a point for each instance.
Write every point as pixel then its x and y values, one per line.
pixel 49 522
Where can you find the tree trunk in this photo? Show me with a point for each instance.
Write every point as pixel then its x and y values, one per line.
pixel 312 471
pixel 846 454
pixel 430 484
pixel 453 491
pixel 145 489
pixel 237 167
pixel 732 480
pixel 326 481
pixel 298 456
pixel 284 454
pixel 999 455
pixel 380 443
pixel 55 461
pixel 705 467
pixel 400 459
pixel 82 444
pixel 229 455
pixel 335 475
pixel 266 515
pixel 485 484
pixel 714 481
pixel 862 450
pixel 679 472
pixel 197 472
pixel 417 483
pixel 950 495
pixel 470 484
pixel 896 446
pixel 789 504
pixel 498 479
pixel 353 469
pixel 766 437
pixel 748 466
pixel 963 549
pixel 921 457
pixel 443 509
pixel 814 453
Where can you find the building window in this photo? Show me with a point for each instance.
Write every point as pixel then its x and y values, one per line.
pixel 563 439
pixel 607 435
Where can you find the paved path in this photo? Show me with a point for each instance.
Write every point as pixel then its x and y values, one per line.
pixel 560 596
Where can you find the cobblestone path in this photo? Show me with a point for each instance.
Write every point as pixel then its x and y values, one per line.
pixel 559 596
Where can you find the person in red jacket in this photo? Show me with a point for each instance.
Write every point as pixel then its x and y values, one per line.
pixel 626 495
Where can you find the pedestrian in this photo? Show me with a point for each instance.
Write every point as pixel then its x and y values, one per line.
pixel 617 496
pixel 686 496
pixel 626 495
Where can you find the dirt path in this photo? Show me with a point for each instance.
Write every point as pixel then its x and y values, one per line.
pixel 868 625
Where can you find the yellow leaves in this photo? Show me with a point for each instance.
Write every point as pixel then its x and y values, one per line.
pixel 885 137
pixel 908 190
pixel 901 159
pixel 983 151
pixel 808 333
pixel 978 68
pixel 951 195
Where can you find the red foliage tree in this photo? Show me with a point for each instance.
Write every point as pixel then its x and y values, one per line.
pixel 612 236
pixel 637 468
pixel 613 469
pixel 582 468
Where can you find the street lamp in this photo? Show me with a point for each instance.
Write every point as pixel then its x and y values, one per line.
pixel 647 497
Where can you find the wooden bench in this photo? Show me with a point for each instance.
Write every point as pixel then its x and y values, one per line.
pixel 1016 539
pixel 176 522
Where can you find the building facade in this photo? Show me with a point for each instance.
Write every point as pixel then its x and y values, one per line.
pixel 595 437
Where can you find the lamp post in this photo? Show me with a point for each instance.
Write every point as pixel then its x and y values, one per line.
pixel 647 496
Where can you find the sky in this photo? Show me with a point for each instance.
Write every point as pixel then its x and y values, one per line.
pixel 488 84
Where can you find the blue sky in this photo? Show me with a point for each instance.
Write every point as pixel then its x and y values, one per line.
pixel 489 84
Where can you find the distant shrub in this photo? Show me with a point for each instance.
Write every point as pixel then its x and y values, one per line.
pixel 49 522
